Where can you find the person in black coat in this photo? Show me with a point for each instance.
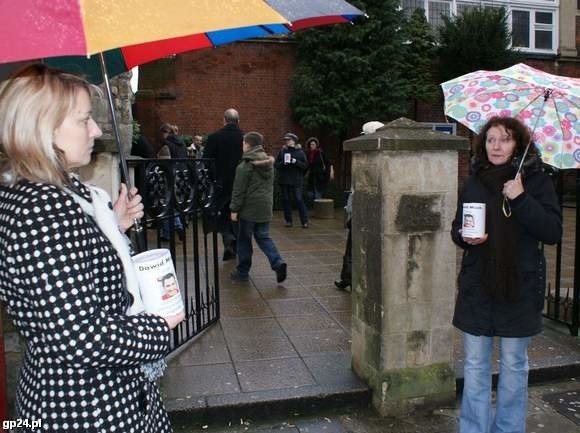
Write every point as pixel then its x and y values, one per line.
pixel 225 147
pixel 172 146
pixel 291 164
pixel 320 170
pixel 502 280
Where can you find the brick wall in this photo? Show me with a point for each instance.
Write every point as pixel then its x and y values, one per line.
pixel 193 90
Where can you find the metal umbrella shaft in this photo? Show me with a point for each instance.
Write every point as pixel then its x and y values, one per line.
pixel 505 206
pixel 137 227
pixel 547 94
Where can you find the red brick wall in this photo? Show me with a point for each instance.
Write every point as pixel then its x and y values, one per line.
pixel 193 90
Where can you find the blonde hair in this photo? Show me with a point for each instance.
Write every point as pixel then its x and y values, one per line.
pixel 33 103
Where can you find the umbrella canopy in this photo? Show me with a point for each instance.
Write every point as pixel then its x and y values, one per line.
pixel 240 21
pixel 548 104
pixel 128 33
pixel 32 29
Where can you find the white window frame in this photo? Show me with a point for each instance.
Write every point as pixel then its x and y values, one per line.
pixel 530 6
pixel 538 27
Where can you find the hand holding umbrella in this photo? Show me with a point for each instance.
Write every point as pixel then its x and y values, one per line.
pixel 513 188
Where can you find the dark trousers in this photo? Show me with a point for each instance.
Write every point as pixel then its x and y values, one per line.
pixel 226 227
pixel 346 271
pixel 261 233
pixel 289 192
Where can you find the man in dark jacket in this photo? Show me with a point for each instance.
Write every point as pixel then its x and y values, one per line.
pixel 291 164
pixel 251 206
pixel 225 147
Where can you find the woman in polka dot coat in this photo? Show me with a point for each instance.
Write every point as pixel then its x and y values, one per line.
pixel 61 279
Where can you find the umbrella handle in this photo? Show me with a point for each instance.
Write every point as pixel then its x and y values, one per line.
pixel 506 208
pixel 138 237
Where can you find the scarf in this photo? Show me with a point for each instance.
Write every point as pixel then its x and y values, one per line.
pixel 104 216
pixel 499 252
pixel 312 154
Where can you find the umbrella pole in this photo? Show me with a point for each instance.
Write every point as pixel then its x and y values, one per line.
pixel 137 227
pixel 547 94
pixel 505 206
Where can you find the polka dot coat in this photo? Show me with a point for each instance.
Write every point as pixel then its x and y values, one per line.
pixel 62 283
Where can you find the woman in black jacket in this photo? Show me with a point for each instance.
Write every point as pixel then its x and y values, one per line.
pixel 502 277
pixel 320 170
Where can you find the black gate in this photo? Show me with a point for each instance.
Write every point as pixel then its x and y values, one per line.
pixel 563 294
pixel 177 195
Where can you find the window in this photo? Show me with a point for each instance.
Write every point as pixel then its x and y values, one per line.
pixel 533 30
pixel 436 9
pixel 409 6
pixel 463 7
pixel 433 9
pixel 543 30
pixel 521 29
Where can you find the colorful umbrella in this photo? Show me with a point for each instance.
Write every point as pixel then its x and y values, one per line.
pixel 32 29
pixel 548 104
pixel 149 36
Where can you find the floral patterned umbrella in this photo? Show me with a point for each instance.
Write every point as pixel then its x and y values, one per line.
pixel 549 104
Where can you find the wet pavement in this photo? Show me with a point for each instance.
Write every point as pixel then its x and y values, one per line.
pixel 286 348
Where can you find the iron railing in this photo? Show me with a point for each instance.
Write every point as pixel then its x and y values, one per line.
pixel 563 295
pixel 174 191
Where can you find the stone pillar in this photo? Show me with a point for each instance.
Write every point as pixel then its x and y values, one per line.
pixel 103 170
pixel 405 183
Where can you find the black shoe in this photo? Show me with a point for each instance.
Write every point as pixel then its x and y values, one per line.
pixel 281 272
pixel 238 278
pixel 305 225
pixel 229 254
pixel 342 284
pixel 180 235
pixel 288 224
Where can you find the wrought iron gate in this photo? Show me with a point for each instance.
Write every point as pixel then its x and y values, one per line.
pixel 563 295
pixel 179 192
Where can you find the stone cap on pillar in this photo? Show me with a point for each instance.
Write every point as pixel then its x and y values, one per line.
pixel 408 135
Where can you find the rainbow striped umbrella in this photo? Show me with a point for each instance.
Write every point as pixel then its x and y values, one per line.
pixel 133 32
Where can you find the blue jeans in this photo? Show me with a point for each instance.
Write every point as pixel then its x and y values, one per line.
pixel 261 232
pixel 289 191
pixel 512 389
pixel 316 192
pixel 166 227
